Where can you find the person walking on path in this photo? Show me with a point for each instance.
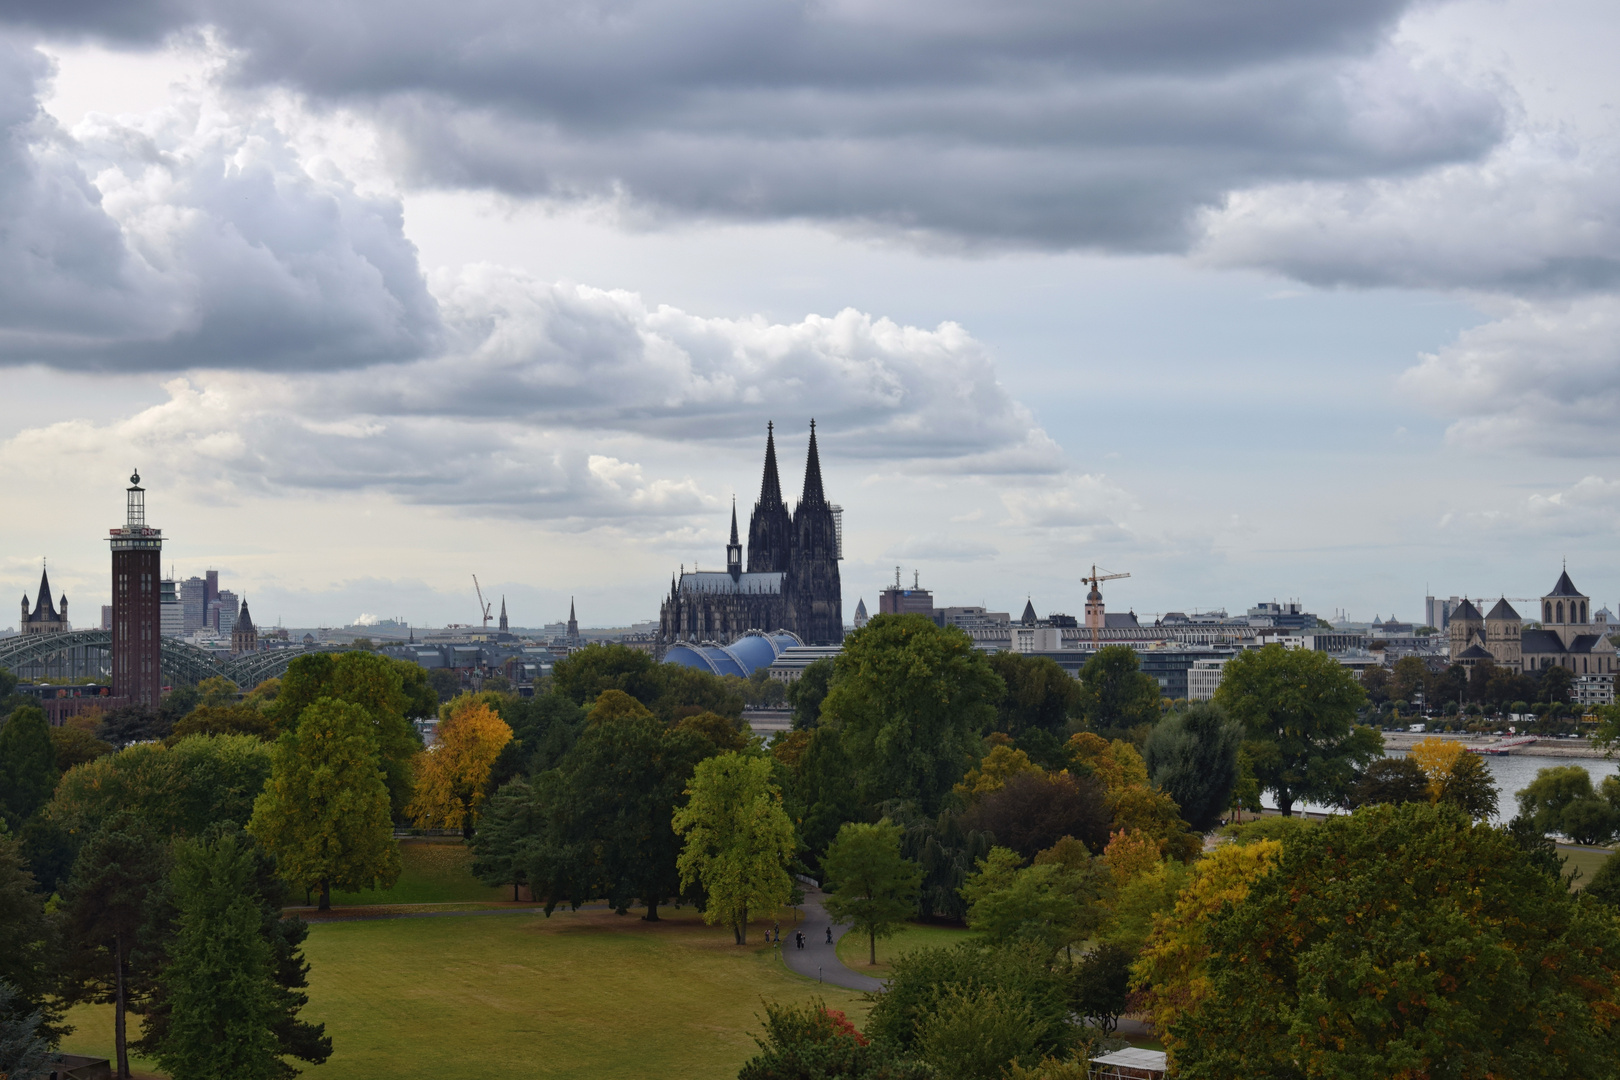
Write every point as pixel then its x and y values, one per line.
pixel 829 934
pixel 798 937
pixel 819 960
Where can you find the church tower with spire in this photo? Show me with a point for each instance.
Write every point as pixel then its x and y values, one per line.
pixel 813 583
pixel 770 529
pixel 244 635
pixel 505 629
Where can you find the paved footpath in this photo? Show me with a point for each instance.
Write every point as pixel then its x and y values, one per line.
pixel 818 960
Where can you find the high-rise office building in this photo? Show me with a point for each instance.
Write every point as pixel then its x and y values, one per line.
pixel 210 594
pixel 226 606
pixel 137 556
pixel 173 613
pixel 194 603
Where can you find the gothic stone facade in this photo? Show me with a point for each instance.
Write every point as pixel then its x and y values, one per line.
pixel 791 582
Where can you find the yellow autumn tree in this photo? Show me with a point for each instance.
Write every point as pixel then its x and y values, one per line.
pixel 452 778
pixel 1001 764
pixel 1134 802
pixel 1130 854
pixel 1436 757
pixel 1116 764
pixel 1171 970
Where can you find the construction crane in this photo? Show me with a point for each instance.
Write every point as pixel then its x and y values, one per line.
pixel 1092 581
pixel 483 608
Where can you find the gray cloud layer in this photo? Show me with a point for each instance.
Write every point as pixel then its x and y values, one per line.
pixel 1027 124
pixel 191 237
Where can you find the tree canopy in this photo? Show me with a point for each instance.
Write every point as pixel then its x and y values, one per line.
pixel 1298 707
pixel 1192 756
pixel 738 840
pixel 910 699
pixel 27 765
pixel 324 811
pixel 874 887
pixel 452 779
pixel 1115 697
pixel 1405 940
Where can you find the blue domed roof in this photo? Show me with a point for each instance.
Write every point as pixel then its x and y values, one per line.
pixel 741 658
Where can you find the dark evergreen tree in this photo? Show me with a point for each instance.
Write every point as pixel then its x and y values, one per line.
pixel 217 985
pixel 27 765
pixel 805 694
pixel 28 943
pixel 116 878
pixel 1102 985
pixel 1192 756
pixel 24 1050
pixel 1390 780
pixel 503 845
pixel 283 939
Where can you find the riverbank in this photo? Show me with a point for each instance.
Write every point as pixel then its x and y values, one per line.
pixel 1402 741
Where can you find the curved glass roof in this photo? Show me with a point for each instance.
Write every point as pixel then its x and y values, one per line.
pixel 741 658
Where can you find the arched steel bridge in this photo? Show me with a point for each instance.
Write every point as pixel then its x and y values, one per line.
pixel 179 662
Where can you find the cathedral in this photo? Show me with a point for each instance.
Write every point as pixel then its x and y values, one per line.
pixel 791 581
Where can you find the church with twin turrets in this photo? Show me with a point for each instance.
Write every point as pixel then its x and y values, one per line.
pixel 791 581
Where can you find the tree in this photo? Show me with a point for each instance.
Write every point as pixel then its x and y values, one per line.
pixel 502 846
pixel 229 719
pixel 1469 787
pixel 377 685
pixel 739 841
pixel 1039 694
pixel 1560 799
pixel 806 693
pixel 874 886
pixel 605 813
pixel 977 1034
pixel 177 790
pixel 1102 985
pixel 119 868
pixel 903 1016
pixel 1553 684
pixel 1436 757
pixel 27 765
pixel 1408 678
pixel 452 778
pixel 1032 811
pixel 910 699
pixel 324 812
pixel 1405 940
pixel 1375 683
pixel 584 674
pixel 24 1052
pixel 131 724
pixel 1605 884
pixel 1172 970
pixel 1192 757
pixel 1115 696
pixel 813 1042
pixel 545 726
pixel 219 981
pixel 75 746
pixel 28 944
pixel 1390 780
pixel 820 796
pixel 1299 709
pixel 1045 904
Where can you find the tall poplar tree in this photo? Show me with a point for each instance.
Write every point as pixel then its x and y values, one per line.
pixel 324 814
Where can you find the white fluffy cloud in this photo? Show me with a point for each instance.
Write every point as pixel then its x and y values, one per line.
pixel 192 236
pixel 1543 375
pixel 574 404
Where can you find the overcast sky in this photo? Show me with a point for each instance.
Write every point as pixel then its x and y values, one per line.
pixel 1252 299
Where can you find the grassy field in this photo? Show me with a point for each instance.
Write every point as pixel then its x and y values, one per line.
pixel 854 949
pixel 582 994
pixel 435 872
pixel 1585 859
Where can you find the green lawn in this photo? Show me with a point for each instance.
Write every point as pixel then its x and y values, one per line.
pixel 854 949
pixel 585 994
pixel 435 872
pixel 1585 859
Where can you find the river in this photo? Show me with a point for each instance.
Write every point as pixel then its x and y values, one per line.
pixel 1512 773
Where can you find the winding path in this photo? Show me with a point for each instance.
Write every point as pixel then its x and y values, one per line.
pixel 819 960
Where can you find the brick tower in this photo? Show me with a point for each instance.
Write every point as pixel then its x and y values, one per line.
pixel 137 555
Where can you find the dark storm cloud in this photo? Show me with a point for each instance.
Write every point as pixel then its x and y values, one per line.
pixel 1025 124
